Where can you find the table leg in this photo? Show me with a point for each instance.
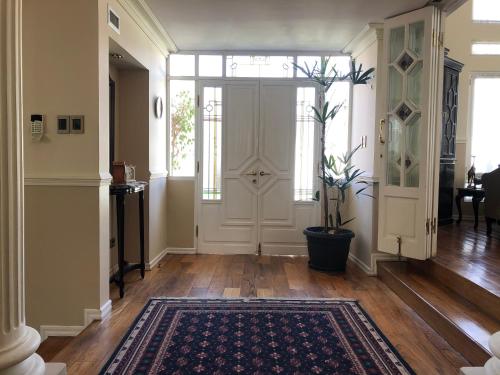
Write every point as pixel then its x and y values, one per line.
pixel 458 201
pixel 120 216
pixel 141 230
pixel 475 206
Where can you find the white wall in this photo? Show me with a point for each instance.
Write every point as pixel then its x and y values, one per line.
pixel 364 124
pixel 460 33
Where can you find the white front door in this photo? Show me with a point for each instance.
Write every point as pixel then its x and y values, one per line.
pixel 246 176
pixel 411 74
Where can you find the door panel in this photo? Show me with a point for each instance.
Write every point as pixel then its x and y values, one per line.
pixel 229 224
pixel 257 208
pixel 410 70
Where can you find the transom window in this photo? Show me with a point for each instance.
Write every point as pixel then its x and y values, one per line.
pixel 186 69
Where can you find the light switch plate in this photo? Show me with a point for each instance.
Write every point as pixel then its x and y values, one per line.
pixel 77 125
pixel 63 124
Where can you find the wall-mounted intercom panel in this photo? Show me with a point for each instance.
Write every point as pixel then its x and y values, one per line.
pixel 37 127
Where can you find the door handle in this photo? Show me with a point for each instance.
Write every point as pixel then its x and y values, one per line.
pixel 262 173
pixel 381 131
pixel 251 173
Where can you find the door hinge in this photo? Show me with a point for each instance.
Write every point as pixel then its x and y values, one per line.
pixel 198 101
pixel 196 231
pixel 434 225
pixel 197 167
pixel 428 226
pixel 259 250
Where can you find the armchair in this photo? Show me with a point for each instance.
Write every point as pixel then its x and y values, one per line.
pixel 491 185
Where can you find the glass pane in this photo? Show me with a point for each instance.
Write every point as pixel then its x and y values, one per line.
pixel 210 66
pixel 181 65
pixel 395 88
pixel 412 151
pixel 486 10
pixel 337 130
pixel 259 66
pixel 485 123
pixel 414 89
pixel 394 151
pixel 486 48
pixel 304 144
pixel 182 119
pixel 341 63
pixel 397 42
pixel 212 143
pixel 416 42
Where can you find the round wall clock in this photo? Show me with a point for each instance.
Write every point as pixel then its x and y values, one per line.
pixel 159 107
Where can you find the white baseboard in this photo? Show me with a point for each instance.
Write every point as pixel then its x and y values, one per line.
pixel 181 250
pixel 154 262
pixel 366 268
pixel 89 315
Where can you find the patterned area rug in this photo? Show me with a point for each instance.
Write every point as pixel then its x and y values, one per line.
pixel 254 336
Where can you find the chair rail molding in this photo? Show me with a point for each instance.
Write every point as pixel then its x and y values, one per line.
pixel 144 17
pixel 104 179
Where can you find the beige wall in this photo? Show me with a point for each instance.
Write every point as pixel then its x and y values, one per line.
pixel 460 33
pixel 61 256
pixel 151 161
pixel 66 71
pixel 180 212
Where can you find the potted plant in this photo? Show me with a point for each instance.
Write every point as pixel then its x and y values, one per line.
pixel 328 245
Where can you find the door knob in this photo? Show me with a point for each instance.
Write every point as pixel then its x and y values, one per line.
pixel 262 173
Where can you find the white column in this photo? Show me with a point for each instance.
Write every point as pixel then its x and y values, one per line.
pixel 18 342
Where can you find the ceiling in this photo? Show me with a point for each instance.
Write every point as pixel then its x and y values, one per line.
pixel 294 25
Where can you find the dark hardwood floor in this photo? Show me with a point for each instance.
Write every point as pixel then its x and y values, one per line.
pixel 252 276
pixel 471 253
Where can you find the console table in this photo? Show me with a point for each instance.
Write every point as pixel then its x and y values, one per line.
pixel 477 194
pixel 120 191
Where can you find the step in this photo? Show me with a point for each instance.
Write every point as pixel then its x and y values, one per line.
pixel 457 320
pixel 479 293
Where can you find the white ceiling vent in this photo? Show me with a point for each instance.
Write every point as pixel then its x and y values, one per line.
pixel 113 20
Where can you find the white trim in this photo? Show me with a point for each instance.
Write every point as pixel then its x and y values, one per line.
pixel 156 175
pixel 370 34
pixel 89 315
pixel 154 262
pixel 65 331
pixel 366 268
pixel 144 17
pixel 181 250
pixel 103 180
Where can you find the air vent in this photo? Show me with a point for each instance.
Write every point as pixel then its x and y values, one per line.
pixel 113 20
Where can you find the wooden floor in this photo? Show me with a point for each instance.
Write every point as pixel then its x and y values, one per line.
pixel 252 276
pixel 471 253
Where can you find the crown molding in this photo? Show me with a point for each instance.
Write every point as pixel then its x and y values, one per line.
pixel 369 35
pixel 144 17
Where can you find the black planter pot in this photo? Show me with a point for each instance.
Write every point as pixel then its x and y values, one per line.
pixel 328 252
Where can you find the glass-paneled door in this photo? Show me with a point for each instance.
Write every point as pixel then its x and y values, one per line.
pixel 411 72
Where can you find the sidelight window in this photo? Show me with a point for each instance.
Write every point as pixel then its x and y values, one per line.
pixel 304 144
pixel 182 127
pixel 212 143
